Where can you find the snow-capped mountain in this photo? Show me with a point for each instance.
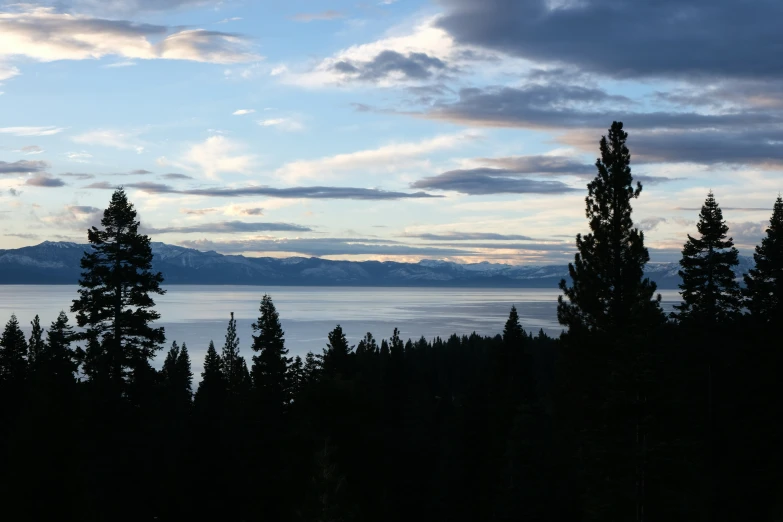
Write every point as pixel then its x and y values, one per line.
pixel 58 263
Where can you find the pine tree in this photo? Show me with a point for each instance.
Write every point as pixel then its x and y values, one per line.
pixel 36 343
pixel 58 360
pixel 298 380
pixel 513 333
pixel 710 293
pixel 115 305
pixel 185 372
pixel 232 361
pixel 608 289
pixel 312 368
pixel 367 346
pixel 764 283
pixel 212 388
pixel 337 354
pixel 270 365
pixel 13 353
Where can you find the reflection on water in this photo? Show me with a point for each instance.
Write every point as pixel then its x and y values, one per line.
pixel 195 314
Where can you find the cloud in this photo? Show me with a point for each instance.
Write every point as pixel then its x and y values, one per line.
pixel 218 155
pixel 43 180
pixel 82 209
pixel 125 63
pixel 116 139
pixel 14 193
pixel 286 124
pixel 406 57
pixel 31 149
pixel 323 247
pixel 31 131
pixel 743 145
pixel 651 223
pixel 384 158
pixel 175 175
pixel 23 167
pixel 44 34
pixel 563 106
pixel 7 72
pixel 77 175
pixel 489 181
pixel 536 164
pixel 79 157
pixel 242 112
pixel 708 38
pixel 139 172
pixel 230 227
pixel 252 211
pixel 23 236
pixel 413 66
pixel 469 236
pixel 197 211
pixel 283 193
pixel 323 15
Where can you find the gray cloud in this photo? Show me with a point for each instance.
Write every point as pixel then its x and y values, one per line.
pixel 252 211
pixel 198 211
pixel 32 149
pixel 468 236
pixel 323 15
pixel 285 193
pixel 23 167
pixel 44 181
pixel 558 106
pixel 23 235
pixel 650 223
pixel 139 172
pixel 413 66
pixel 175 175
pixel 82 209
pixel 662 38
pixel 536 164
pixel 489 181
pixel 77 175
pixel 229 227
pixel 323 247
pixel 14 193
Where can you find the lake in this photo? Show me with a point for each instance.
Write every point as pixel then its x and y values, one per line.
pixel 194 314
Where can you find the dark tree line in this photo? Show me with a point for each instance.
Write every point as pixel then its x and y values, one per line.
pixel 630 415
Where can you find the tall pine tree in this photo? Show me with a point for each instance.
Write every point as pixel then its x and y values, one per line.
pixel 710 292
pixel 13 354
pixel 764 283
pixel 337 354
pixel 270 365
pixel 115 304
pixel 232 363
pixel 36 343
pixel 608 290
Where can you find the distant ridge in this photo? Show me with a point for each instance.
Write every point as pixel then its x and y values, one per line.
pixel 58 263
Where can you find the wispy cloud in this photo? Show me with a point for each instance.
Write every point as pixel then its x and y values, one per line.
pixel 286 124
pixel 32 131
pixel 229 227
pixel 384 158
pixel 282 193
pixel 217 155
pixel 113 138
pixel 323 15
pixel 242 112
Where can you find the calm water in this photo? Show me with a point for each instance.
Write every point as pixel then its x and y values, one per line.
pixel 196 314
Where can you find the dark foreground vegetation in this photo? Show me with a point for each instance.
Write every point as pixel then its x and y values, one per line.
pixel 629 416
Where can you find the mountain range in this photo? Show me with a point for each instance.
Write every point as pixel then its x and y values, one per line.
pixel 58 263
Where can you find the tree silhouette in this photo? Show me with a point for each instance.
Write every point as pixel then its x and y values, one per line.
pixel 115 305
pixel 13 354
pixel 270 365
pixel 608 290
pixel 764 283
pixel 36 342
pixel 337 354
pixel 710 293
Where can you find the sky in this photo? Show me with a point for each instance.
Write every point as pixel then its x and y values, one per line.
pixel 463 130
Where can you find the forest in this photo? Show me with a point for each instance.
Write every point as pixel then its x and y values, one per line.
pixel 630 415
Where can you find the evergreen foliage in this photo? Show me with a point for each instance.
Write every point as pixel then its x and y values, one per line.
pixel 115 304
pixel 608 290
pixel 710 292
pixel 764 283
pixel 13 353
pixel 270 365
pixel 36 342
pixel 337 354
pixel 233 365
